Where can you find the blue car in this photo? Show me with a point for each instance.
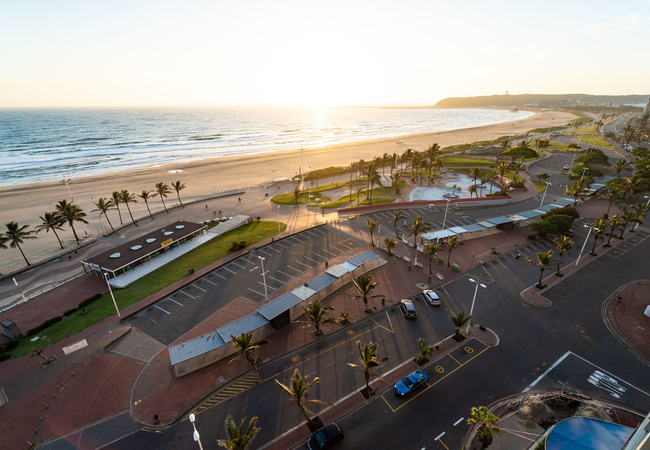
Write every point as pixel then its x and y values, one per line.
pixel 409 384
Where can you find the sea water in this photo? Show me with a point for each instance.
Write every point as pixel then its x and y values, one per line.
pixel 48 144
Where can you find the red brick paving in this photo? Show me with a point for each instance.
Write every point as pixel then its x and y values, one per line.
pixel 627 318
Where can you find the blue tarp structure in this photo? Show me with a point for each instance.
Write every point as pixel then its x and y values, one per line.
pixel 582 433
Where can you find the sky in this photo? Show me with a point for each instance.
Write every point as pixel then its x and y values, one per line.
pixel 316 53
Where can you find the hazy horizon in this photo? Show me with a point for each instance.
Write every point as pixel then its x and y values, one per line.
pixel 124 54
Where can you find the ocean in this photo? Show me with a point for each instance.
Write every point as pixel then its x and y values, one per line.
pixel 48 144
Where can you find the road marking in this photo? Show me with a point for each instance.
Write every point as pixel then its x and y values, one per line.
pixel 611 375
pixel 225 268
pixel 279 281
pixel 439 436
pixel 284 273
pixel 317 262
pixel 329 252
pixel 283 246
pixel 152 320
pixel 319 255
pixel 205 279
pixel 458 421
pixel 256 267
pixel 262 251
pixel 238 265
pixel 171 299
pixel 268 286
pixel 256 292
pixel 297 270
pixel 190 296
pixel 312 234
pixel 302 263
pixel 221 276
pixel 443 444
pixel 165 311
pixel 455 358
pixel 546 372
pixel 200 289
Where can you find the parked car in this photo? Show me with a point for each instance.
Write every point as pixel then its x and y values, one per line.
pixel 569 233
pixel 408 309
pixel 406 385
pixel 566 167
pixel 431 297
pixel 325 438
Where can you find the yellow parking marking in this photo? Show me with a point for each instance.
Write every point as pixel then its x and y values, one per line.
pixel 386 401
pixel 453 359
pixel 443 444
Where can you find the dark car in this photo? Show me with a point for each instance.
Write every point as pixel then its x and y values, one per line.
pixel 325 438
pixel 409 384
pixel 407 308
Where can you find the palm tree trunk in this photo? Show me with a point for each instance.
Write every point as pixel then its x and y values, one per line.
pixel 163 202
pixel 21 251
pixel 541 274
pixel 366 374
pixel 609 239
pixel 147 203
pixel 593 250
pixel 132 219
pixel 74 232
pixel 120 213
pixel 449 257
pixel 304 411
pixel 57 238
pixel 558 273
pixel 430 259
pixel 178 194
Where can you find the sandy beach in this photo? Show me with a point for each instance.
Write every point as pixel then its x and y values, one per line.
pixel 25 203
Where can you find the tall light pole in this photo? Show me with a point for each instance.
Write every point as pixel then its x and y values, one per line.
pixel 195 435
pixel 585 243
pixel 444 221
pixel 636 225
pixel 583 173
pixel 112 296
pixel 571 165
pixel 266 295
pixel 279 232
pixel 544 196
pixel 472 280
pixel 66 181
pixel 20 290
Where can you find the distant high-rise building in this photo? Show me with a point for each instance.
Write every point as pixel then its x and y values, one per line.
pixel 646 110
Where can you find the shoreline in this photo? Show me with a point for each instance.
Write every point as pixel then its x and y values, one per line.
pixel 24 203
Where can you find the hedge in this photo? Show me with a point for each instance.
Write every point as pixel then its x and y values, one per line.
pixel 9 346
pixel 43 326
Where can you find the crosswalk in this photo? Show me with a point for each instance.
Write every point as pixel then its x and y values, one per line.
pixel 228 392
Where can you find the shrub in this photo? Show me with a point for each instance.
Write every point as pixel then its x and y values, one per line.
pixel 561 222
pixel 519 152
pixel 5 356
pixel 89 300
pixel 237 246
pixel 532 236
pixel 9 346
pixel 573 145
pixel 543 228
pixel 566 211
pixel 70 311
pixel 43 326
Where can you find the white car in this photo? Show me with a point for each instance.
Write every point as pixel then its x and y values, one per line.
pixel 566 167
pixel 431 297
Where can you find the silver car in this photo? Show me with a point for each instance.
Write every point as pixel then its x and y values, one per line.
pixel 431 297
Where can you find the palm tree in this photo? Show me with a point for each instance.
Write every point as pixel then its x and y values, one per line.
pixel 431 250
pixel 419 226
pixel 245 347
pixel 368 361
pixel 619 166
pixel 103 206
pixel 395 179
pixel 501 169
pixel 353 169
pixel 626 219
pixel 432 153
pixel 15 235
pixel 397 216
pixel 296 194
pixel 127 198
pixel 146 196
pixel 473 190
pixel 372 227
pixel 374 179
pixel 614 194
pixel 117 199
pixel 162 189
pixel 451 243
pixel 390 245
pixel 487 422
pixel 178 187
pixel 239 436
pixel 298 392
pixel 505 143
pixel 544 260
pixel 424 351
pixel 640 210
pixel 51 221
pixel 598 228
pixel 72 213
pixel 317 315
pixel 365 286
pixel 384 161
pixel 563 244
pixel 577 190
pixel 614 225
pixel 458 320
pixel 475 174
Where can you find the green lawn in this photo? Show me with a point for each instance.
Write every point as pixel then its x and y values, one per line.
pixel 590 137
pixel 556 147
pixel 540 186
pixel 207 253
pixel 582 119
pixel 464 161
pixel 546 130
pixel 288 198
pixel 378 200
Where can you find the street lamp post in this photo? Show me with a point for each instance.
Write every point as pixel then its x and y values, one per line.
pixel 544 196
pixel 585 243
pixel 636 225
pixel 444 221
pixel 583 173
pixel 66 181
pixel 279 232
pixel 195 435
pixel 266 295
pixel 112 296
pixel 473 300
pixel 20 290
pixel 572 160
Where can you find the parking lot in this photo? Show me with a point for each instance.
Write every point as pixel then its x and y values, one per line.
pixel 286 263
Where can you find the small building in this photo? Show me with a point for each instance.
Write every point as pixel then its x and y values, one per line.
pixel 142 250
pixel 385 181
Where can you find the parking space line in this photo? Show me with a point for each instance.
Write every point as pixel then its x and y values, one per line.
pixel 172 300
pixel 284 273
pixel 262 251
pixel 316 230
pixel 310 233
pixel 450 355
pixel 283 246
pixel 301 263
pixel 346 245
pixel 318 254
pixel 183 292
pixel 458 421
pixel 256 267
pixel 297 270
pixel 225 268
pixel 279 281
pixel 268 286
pixel 199 288
pixel 256 292
pixel 215 284
pixel 152 320
pixel 317 262
pixel 163 310
pixel 238 265
pixel 329 252
pixel 220 276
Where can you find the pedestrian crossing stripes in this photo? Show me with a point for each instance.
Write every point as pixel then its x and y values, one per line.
pixel 228 392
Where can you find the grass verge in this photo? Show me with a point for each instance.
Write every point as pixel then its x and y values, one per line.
pixel 540 186
pixel 464 161
pixel 99 310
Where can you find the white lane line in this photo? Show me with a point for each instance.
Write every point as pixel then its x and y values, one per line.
pixel 317 262
pixel 310 233
pixel 268 286
pixel 152 320
pixel 199 288
pixel 302 263
pixel 555 364
pixel 439 436
pixel 238 265
pixel 319 231
pixel 255 292
pixel 389 322
pixel 297 270
pixel 225 268
pixel 256 267
pixel 348 246
pixel 279 281
pixel 172 300
pixel 330 364
pixel 458 421
pixel 329 252
pixel 268 247
pixel 319 255
pixel 262 251
pixel 190 296
pixel 283 246
pixel 163 310
pixel 284 273
pixel 504 266
pixel 421 212
pixel 220 276
pixel 215 284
